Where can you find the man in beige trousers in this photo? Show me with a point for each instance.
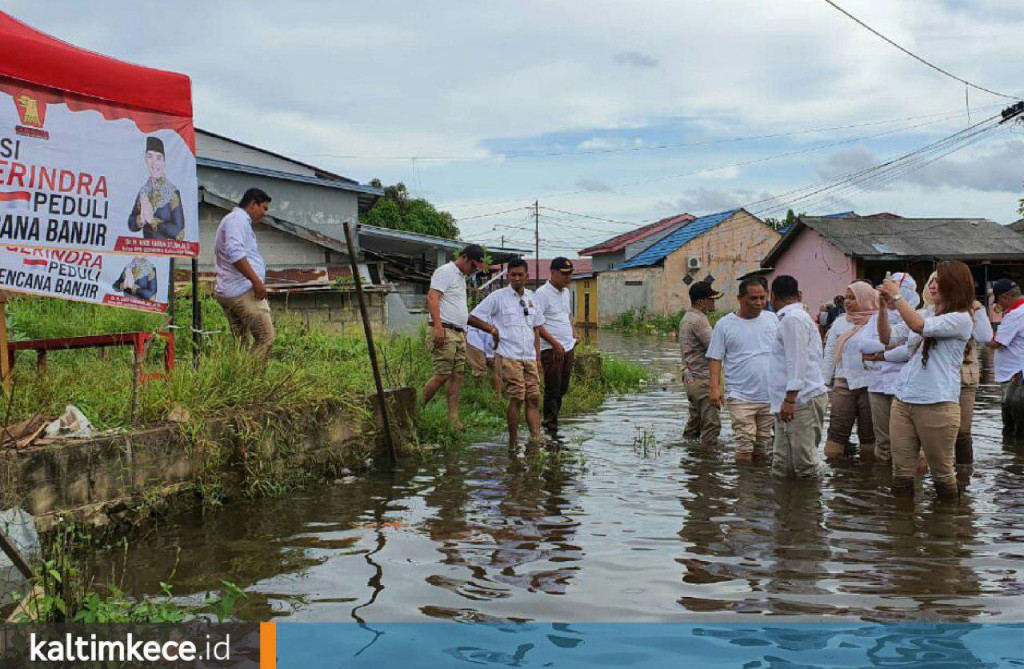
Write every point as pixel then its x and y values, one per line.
pixel 694 337
pixel 241 271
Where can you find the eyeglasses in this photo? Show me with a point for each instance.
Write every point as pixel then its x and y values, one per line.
pixel 522 303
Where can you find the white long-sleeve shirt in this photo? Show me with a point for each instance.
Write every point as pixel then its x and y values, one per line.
pixel 795 358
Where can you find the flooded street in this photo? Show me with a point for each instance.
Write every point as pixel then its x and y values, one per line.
pixel 627 522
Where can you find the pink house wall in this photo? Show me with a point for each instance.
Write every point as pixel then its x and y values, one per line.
pixel 822 270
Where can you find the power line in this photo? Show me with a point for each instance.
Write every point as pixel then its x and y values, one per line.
pixel 918 58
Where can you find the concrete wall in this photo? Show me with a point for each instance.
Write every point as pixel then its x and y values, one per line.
pixel 279 249
pixel 103 479
pixel 623 290
pixel 822 270
pixel 727 252
pixel 337 310
pixel 315 207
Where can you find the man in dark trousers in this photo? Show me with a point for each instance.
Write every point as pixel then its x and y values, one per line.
pixel 557 338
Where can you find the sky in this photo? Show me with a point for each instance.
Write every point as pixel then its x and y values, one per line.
pixel 613 113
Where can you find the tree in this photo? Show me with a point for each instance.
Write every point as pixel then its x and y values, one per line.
pixel 397 211
pixel 780 224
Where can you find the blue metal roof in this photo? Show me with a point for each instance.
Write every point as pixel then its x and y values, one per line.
pixel 657 252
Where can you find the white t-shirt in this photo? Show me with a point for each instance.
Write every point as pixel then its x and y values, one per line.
pixel 939 381
pixel 451 282
pixel 1009 358
pixel 744 346
pixel 554 309
pixel 515 316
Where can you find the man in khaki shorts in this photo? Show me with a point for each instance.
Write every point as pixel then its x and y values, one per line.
pixel 516 319
pixel 241 271
pixel 449 315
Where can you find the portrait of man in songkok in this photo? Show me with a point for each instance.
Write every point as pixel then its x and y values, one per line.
pixel 157 211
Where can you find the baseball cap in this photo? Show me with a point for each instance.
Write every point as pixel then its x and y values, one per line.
pixel 561 264
pixel 702 290
pixel 1002 286
pixel 475 252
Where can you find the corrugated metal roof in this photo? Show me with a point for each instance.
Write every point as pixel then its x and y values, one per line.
pixel 657 252
pixel 288 176
pixel 880 238
pixel 619 242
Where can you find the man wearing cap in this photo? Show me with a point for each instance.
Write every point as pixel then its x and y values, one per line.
pixel 1009 356
pixel 513 312
pixel 557 338
pixel 157 211
pixel 694 337
pixel 449 315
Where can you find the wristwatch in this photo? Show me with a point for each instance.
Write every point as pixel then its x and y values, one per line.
pixel 897 297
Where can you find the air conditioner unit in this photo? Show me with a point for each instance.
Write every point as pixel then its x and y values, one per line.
pixel 693 263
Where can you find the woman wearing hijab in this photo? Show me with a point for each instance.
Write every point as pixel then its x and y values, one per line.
pixel 926 412
pixel 844 368
pixel 970 377
pixel 885 363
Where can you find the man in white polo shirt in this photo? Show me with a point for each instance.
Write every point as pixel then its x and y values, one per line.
pixel 1009 356
pixel 557 338
pixel 240 290
pixel 513 313
pixel 797 391
pixel 449 315
pixel 741 345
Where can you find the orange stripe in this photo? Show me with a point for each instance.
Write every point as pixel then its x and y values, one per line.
pixel 268 645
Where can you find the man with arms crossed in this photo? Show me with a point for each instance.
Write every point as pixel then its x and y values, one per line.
pixel 741 343
pixel 449 315
pixel 798 394
pixel 512 311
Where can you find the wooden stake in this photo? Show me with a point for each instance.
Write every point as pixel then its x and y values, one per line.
pixel 368 331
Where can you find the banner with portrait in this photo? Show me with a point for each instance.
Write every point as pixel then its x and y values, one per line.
pixel 82 174
pixel 133 282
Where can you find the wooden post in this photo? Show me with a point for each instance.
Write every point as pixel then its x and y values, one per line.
pixel 197 315
pixel 170 297
pixel 5 354
pixel 368 331
pixel 17 559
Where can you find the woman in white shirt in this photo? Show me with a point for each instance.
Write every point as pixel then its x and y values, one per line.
pixel 970 378
pixel 847 375
pixel 926 412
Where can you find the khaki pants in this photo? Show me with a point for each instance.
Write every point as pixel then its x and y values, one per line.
pixel 964 449
pixel 521 378
pixel 849 407
pixel 450 357
pixel 705 420
pixel 248 316
pixel 928 427
pixel 796 442
pixel 881 407
pixel 751 425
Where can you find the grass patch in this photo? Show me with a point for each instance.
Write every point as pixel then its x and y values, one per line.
pixel 638 321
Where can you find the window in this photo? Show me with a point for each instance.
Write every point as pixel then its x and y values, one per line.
pixel 634 283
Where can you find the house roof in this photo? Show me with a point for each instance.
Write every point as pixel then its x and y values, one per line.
pixel 368 195
pixel 1017 226
pixel 320 172
pixel 580 266
pixel 658 251
pixel 885 238
pixel 619 242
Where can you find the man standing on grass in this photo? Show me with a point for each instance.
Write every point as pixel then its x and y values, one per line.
pixel 741 343
pixel 1009 356
pixel 557 338
pixel 240 288
pixel 694 338
pixel 514 314
pixel 798 394
pixel 449 315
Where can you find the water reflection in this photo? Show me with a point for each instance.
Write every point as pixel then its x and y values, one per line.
pixel 604 531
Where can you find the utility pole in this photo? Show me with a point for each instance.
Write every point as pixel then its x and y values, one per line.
pixel 536 242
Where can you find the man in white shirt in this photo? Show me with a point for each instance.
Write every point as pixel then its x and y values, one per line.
pixel 797 388
pixel 557 338
pixel 741 342
pixel 1009 356
pixel 241 271
pixel 513 312
pixel 449 316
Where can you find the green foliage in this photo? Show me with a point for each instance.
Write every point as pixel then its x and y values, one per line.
pixel 638 321
pixel 397 211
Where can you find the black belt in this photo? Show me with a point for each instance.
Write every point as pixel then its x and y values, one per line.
pixel 448 326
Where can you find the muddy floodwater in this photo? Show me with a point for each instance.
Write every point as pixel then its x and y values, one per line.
pixel 626 522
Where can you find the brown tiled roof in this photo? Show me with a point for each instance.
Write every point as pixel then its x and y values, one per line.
pixel 619 242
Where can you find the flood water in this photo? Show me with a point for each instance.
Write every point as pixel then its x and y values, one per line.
pixel 627 522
